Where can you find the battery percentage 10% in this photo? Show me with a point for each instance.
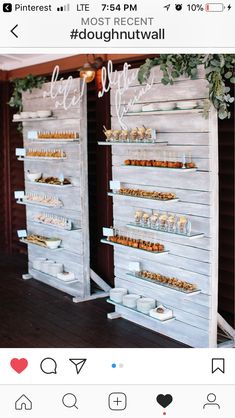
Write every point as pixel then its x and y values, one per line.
pixel 195 7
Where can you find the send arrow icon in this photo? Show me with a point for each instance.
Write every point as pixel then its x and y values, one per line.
pixel 78 363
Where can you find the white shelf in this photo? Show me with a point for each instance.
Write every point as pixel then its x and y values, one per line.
pixel 66 186
pixel 141 313
pixel 178 170
pixel 71 288
pixel 168 286
pixel 34 119
pixel 58 228
pixel 193 235
pixel 142 198
pixel 53 277
pixel 24 202
pixel 165 112
pixel 57 141
pixel 25 241
pixel 139 144
pixel 41 159
pixel 115 244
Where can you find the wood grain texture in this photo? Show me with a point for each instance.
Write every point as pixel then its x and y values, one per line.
pixel 75 254
pixel 196 137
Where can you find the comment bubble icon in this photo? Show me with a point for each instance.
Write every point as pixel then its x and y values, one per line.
pixel 48 366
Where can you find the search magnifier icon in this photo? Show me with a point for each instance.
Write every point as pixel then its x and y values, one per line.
pixel 69 400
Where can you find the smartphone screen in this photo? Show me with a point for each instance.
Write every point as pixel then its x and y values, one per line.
pixel 117 209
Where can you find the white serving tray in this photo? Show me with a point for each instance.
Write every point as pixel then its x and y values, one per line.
pixel 25 241
pixel 143 198
pixel 28 203
pixel 115 244
pixel 65 186
pixel 165 285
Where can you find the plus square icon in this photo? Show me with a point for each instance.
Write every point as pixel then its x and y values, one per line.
pixel 117 401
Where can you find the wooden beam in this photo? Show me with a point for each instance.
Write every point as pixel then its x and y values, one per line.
pixel 69 64
pixel 3 75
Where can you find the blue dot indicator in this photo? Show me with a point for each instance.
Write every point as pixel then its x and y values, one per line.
pixel 114 366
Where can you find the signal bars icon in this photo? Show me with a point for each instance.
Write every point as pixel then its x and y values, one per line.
pixel 65 8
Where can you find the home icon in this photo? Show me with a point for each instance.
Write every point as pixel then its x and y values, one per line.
pixel 23 403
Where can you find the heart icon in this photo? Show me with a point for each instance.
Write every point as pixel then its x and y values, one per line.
pixel 19 364
pixel 164 400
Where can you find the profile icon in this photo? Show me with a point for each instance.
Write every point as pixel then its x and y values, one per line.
pixel 211 397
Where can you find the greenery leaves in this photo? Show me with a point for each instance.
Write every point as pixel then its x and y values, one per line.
pixel 219 70
pixel 25 84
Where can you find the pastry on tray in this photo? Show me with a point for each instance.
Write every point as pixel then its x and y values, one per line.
pixel 53 180
pixel 147 194
pixel 56 153
pixel 137 243
pixel 46 242
pixel 161 312
pixel 137 134
pixel 159 163
pixel 43 200
pixel 58 135
pixel 171 281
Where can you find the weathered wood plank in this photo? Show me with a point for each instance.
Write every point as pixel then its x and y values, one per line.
pixel 167 178
pixel 181 90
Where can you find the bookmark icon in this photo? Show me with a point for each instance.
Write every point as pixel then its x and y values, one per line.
pixel 78 363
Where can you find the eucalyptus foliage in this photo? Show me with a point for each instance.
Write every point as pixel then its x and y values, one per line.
pixel 219 71
pixel 24 84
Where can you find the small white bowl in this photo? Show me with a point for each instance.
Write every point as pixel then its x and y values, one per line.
pixel 148 107
pixel 130 301
pixel 34 176
pixel 165 106
pixel 66 276
pixel 117 294
pixel 186 104
pixel 44 113
pixel 16 117
pixel 33 115
pixel 144 305
pixel 53 244
pixel 45 267
pixel 136 108
pixel 25 115
pixel 38 262
pixel 55 269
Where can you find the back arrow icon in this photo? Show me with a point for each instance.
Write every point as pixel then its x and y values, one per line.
pixel 12 31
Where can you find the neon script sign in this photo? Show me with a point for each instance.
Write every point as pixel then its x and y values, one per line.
pixel 66 96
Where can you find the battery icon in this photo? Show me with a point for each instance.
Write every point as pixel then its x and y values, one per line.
pixel 214 7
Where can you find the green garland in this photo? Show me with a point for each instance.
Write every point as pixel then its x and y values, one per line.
pixel 24 84
pixel 219 70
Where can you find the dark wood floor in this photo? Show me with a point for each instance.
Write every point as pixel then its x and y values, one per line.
pixel 35 315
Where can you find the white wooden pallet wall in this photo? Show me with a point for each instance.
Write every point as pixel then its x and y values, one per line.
pixel 75 254
pixel 195 260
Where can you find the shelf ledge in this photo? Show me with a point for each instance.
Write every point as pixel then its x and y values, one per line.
pixel 115 244
pixel 34 119
pixel 178 170
pixel 26 203
pixel 165 112
pixel 144 144
pixel 193 235
pixel 141 313
pixel 25 241
pixel 174 289
pixel 143 198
